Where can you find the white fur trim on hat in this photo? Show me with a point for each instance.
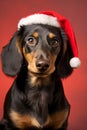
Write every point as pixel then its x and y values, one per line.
pixel 39 19
pixel 75 62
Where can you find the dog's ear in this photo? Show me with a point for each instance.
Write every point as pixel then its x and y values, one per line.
pixel 11 57
pixel 63 66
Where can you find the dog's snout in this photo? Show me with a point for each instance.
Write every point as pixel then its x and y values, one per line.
pixel 42 65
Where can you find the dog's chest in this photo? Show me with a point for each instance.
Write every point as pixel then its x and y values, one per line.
pixel 55 120
pixel 37 103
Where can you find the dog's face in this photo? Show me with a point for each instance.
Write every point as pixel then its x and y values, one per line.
pixel 44 48
pixel 41 46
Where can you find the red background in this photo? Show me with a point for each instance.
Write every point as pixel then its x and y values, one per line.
pixel 75 86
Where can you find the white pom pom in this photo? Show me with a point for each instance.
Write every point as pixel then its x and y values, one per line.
pixel 75 62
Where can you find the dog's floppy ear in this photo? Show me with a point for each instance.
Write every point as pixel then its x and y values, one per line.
pixel 11 57
pixel 63 60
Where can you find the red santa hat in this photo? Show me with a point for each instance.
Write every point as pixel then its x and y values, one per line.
pixel 55 19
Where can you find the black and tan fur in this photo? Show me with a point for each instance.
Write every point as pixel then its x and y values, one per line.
pixel 39 55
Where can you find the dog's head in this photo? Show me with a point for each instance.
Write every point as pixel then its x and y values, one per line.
pixel 45 49
pixel 45 43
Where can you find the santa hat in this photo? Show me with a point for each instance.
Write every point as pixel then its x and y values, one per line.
pixel 55 19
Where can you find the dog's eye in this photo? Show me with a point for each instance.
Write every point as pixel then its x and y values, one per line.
pixel 55 42
pixel 31 41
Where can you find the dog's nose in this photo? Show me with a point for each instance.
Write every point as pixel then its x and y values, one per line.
pixel 42 65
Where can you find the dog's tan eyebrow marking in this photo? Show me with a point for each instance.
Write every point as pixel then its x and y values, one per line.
pixel 35 34
pixel 51 35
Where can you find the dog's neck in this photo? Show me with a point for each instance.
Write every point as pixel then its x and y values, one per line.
pixel 38 80
pixel 26 78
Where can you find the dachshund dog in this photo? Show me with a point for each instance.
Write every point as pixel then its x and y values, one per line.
pixel 39 57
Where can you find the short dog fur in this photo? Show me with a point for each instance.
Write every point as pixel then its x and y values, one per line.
pixel 39 57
